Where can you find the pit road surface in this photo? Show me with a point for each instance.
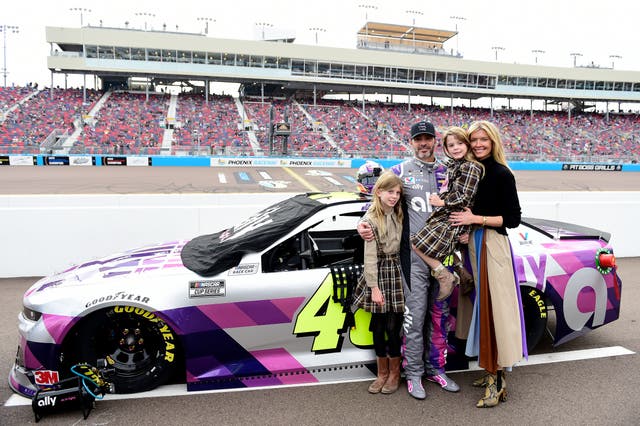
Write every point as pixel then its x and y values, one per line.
pixel 582 391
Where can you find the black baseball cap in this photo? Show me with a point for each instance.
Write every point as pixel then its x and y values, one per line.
pixel 422 127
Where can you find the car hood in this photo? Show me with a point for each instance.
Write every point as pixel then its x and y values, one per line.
pixel 131 263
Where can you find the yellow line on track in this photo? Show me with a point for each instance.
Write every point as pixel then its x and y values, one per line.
pixel 300 179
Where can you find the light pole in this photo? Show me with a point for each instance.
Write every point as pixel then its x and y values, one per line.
pixel 613 58
pixel 497 48
pixel 6 29
pixel 413 24
pixel 206 21
pixel 537 52
pixel 318 30
pixel 82 10
pixel 456 19
pixel 145 15
pixel 264 25
pixel 575 55
pixel 367 8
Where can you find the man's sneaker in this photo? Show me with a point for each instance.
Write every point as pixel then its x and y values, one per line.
pixel 445 382
pixel 414 386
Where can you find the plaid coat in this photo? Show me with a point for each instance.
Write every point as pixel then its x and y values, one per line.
pixel 437 238
pixel 382 270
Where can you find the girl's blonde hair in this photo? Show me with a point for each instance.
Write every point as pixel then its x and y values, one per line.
pixel 497 150
pixel 462 135
pixel 387 180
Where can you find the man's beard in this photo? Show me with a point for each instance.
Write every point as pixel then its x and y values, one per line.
pixel 424 155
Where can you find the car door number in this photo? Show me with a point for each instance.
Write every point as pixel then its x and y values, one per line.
pixel 326 320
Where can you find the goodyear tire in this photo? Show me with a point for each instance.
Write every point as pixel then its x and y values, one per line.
pixel 139 347
pixel 535 315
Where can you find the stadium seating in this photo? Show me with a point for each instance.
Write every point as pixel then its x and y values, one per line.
pixel 212 125
pixel 305 139
pixel 128 123
pixel 32 121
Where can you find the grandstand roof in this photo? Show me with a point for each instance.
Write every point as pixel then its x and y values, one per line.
pixel 408 32
pixel 112 53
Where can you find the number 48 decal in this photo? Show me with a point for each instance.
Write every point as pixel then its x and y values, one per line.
pixel 325 319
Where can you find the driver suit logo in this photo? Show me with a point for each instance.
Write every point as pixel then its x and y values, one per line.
pixel 409 180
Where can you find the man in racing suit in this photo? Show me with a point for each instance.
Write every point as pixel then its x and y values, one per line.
pixel 425 347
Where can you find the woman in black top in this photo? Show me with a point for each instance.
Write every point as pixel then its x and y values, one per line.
pixel 496 334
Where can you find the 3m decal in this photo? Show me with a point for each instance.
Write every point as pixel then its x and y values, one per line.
pixel 46 377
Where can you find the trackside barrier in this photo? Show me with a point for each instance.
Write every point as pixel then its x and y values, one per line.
pixel 205 161
pixel 42 234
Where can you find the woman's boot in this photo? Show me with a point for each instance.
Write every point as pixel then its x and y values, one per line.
pixel 484 381
pixel 383 374
pixel 492 395
pixel 394 376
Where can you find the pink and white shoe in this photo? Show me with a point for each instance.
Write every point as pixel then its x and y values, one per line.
pixel 445 382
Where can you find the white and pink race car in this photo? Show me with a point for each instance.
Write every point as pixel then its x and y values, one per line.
pixel 266 303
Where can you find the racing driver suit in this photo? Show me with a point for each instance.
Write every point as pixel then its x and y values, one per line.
pixel 419 180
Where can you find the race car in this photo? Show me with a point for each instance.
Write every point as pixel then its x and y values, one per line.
pixel 267 302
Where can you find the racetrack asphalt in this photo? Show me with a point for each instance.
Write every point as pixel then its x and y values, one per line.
pixel 170 180
pixel 585 392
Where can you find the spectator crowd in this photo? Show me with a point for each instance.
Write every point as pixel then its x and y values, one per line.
pixel 132 123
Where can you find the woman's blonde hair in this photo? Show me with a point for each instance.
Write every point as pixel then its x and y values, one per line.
pixel 497 149
pixel 387 180
pixel 463 136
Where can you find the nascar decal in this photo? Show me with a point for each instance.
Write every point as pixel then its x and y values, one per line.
pixel 326 320
pixel 207 288
pixel 244 269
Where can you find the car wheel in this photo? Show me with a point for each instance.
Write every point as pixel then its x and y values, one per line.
pixel 535 315
pixel 139 347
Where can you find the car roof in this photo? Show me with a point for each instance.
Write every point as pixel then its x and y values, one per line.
pixel 209 255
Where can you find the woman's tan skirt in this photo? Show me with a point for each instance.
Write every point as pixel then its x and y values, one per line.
pixel 493 325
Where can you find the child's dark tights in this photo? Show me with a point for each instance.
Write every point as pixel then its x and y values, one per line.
pixel 386 333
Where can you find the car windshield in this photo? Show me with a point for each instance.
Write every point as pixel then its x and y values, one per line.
pixel 209 255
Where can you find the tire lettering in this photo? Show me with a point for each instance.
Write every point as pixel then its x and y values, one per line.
pixel 167 335
pixel 541 305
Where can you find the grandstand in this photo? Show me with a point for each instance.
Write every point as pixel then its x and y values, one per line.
pixel 155 98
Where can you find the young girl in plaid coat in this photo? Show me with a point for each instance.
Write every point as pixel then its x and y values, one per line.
pixel 379 289
pixel 437 239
